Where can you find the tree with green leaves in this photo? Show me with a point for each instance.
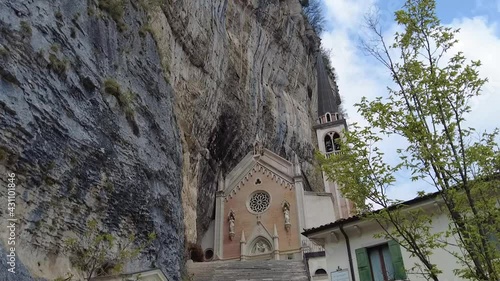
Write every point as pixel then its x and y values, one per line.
pixel 427 106
pixel 96 254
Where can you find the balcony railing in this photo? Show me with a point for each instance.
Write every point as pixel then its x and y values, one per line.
pixel 335 152
pixel 309 247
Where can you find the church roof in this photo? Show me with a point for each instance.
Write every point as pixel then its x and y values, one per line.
pixel 267 162
pixel 328 100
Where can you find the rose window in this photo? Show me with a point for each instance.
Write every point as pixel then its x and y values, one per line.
pixel 259 202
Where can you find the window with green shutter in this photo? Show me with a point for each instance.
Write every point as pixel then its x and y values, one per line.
pixel 397 260
pixel 364 269
pixel 381 263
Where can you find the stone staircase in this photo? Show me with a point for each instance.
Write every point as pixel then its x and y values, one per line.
pixel 256 270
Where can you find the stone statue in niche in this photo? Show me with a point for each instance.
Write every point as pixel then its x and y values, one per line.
pixel 258 149
pixel 286 212
pixel 287 216
pixel 231 218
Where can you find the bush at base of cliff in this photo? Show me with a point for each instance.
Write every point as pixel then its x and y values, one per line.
pixel 99 254
pixel 195 252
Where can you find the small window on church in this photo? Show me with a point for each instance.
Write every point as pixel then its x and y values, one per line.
pixel 328 143
pixel 328 117
pixel 258 181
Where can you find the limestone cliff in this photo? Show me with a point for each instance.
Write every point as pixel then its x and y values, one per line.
pixel 129 112
pixel 239 69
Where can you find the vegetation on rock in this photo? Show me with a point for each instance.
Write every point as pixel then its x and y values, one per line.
pixel 96 254
pixel 115 9
pixel 26 28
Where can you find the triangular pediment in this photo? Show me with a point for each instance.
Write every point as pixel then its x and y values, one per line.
pixel 267 163
pixel 259 231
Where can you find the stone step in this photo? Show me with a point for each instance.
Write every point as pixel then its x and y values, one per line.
pixel 256 270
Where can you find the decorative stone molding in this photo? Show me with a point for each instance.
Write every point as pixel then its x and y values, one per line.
pixel 334 237
pixel 358 231
pixel 274 176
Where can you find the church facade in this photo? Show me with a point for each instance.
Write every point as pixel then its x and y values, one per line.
pixel 262 205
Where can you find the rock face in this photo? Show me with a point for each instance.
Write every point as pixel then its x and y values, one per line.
pixel 131 116
pixel 239 69
pixel 78 151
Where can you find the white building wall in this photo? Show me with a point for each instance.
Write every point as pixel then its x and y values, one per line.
pixel 315 264
pixel 336 252
pixel 318 209
pixel 207 242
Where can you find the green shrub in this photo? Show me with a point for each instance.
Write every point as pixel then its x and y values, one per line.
pixel 91 252
pixel 109 187
pixel 59 15
pixel 57 65
pixel 125 100
pixel 144 30
pixel 54 48
pixel 26 28
pixel 116 9
pixel 112 87
pixel 49 181
pixel 3 52
pixel 90 11
pixel 3 154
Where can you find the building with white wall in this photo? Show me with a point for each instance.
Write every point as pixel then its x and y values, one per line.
pixel 353 252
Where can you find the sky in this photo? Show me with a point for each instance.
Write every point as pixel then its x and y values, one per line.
pixel 360 75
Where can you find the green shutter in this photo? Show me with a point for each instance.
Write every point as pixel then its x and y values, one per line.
pixel 365 272
pixel 397 260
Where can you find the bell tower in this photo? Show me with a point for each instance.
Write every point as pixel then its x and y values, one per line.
pixel 329 128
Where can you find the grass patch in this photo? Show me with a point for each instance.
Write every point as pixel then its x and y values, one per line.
pixel 59 15
pixel 112 87
pixel 26 28
pixel 49 181
pixel 3 154
pixel 90 11
pixel 109 187
pixel 54 48
pixel 145 29
pixel 125 100
pixel 3 52
pixel 115 9
pixel 57 65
